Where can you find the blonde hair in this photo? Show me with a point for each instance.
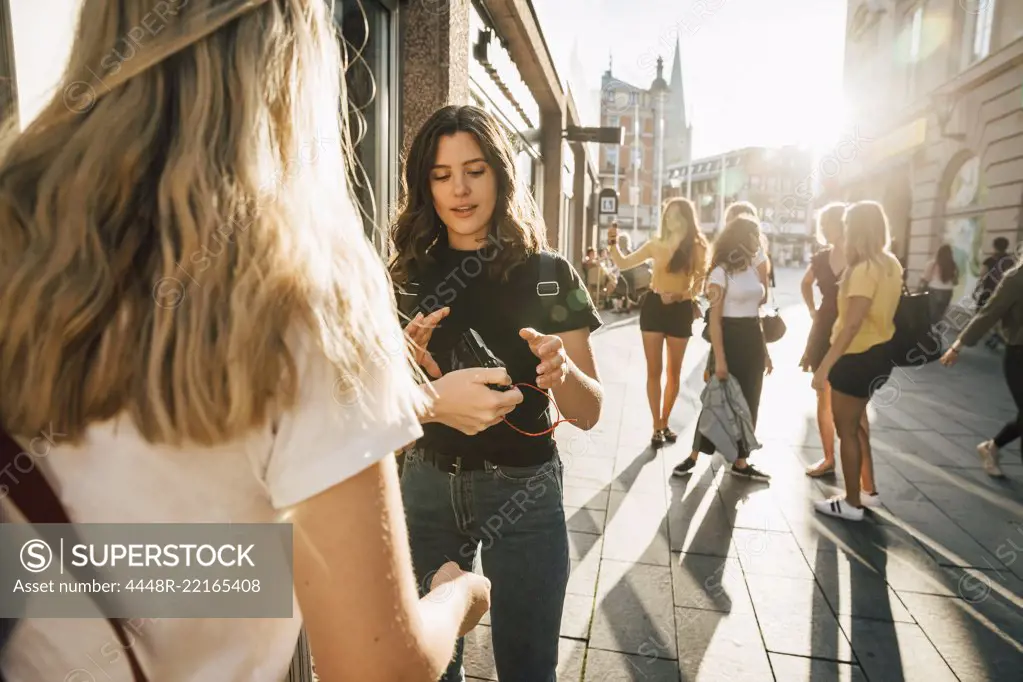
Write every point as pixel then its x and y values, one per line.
pixel 829 222
pixel 867 237
pixel 162 276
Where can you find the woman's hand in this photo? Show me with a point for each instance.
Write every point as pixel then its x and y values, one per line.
pixel 554 364
pixel 721 370
pixel 768 365
pixel 820 379
pixel 418 333
pixel 450 577
pixel 464 401
pixel 950 357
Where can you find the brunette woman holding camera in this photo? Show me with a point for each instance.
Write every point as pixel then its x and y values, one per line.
pixel 467 238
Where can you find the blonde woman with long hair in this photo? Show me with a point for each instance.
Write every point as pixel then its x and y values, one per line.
pixel 189 305
pixel 679 255
pixel 858 362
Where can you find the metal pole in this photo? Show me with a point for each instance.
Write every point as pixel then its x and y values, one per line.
pixel 637 155
pixel 660 153
pixel 721 192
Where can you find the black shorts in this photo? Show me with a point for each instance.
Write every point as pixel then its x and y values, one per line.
pixel 671 319
pixel 861 374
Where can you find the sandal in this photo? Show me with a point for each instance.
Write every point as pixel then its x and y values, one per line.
pixel 669 435
pixel 818 469
pixel 657 440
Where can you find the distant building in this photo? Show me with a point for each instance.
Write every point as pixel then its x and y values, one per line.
pixel 779 182
pixel 657 135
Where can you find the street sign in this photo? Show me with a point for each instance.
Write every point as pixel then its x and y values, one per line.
pixel 608 202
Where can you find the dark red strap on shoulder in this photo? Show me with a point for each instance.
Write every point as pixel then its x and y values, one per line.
pixel 35 499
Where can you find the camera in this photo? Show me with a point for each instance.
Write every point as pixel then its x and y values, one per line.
pixel 470 351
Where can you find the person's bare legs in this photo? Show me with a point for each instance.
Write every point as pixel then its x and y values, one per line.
pixel 653 348
pixel 867 483
pixel 826 428
pixel 673 380
pixel 848 413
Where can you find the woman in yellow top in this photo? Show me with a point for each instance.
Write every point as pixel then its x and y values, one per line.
pixel 858 362
pixel 679 253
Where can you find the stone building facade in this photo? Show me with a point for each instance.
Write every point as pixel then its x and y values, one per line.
pixel 936 88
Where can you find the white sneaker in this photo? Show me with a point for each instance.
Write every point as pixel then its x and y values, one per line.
pixel 989 459
pixel 837 506
pixel 873 500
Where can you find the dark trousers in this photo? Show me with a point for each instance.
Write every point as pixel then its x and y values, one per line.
pixel 1014 378
pixel 744 354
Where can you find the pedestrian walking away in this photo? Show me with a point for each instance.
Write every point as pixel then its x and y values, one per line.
pixel 1004 307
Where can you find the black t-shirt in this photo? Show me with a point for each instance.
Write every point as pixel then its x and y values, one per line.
pixel 497 311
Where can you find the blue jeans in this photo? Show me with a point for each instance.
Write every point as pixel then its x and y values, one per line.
pixel 516 517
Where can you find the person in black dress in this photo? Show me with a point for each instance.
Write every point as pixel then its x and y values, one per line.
pixel 825 269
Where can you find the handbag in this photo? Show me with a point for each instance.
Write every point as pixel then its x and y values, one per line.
pixel 914 344
pixel 774 327
pixel 38 503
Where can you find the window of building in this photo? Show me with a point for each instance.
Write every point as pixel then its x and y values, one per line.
pixel 916 23
pixel 368 30
pixel 979 24
pixel 964 221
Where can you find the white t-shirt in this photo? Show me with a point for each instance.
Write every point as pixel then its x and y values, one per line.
pixel 117 477
pixel 743 291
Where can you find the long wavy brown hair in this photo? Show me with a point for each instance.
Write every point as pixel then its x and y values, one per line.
pixel 166 233
pixel 517 230
pixel 735 247
pixel 947 268
pixel 679 220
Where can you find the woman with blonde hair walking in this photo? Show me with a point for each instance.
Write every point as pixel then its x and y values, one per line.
pixel 189 305
pixel 679 255
pixel 858 362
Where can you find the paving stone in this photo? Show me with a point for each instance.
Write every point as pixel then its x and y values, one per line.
pixel 796 619
pixel 697 521
pixel 585 520
pixel 896 652
pixel 642 472
pixel 767 553
pixel 581 545
pixel 949 544
pixel 756 510
pixel 576 616
pixel 611 666
pixel 712 583
pixel 855 589
pixel 800 669
pixel 632 615
pixel 586 498
pixel 637 529
pixel 980 641
pixel 717 646
pixel 588 471
pixel 583 579
pixel 478 657
pixel 571 654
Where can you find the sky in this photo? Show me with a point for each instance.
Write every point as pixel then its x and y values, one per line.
pixel 756 72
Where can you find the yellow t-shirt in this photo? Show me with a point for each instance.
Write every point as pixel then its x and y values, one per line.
pixel 685 282
pixel 881 282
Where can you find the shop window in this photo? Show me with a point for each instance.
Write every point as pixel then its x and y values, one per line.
pixel 367 29
pixel 964 222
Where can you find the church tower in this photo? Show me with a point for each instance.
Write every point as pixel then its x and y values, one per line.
pixel 678 134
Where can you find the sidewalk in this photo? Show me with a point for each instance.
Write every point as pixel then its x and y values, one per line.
pixel 711 578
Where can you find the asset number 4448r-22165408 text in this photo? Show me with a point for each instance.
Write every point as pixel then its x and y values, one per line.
pixel 192 585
